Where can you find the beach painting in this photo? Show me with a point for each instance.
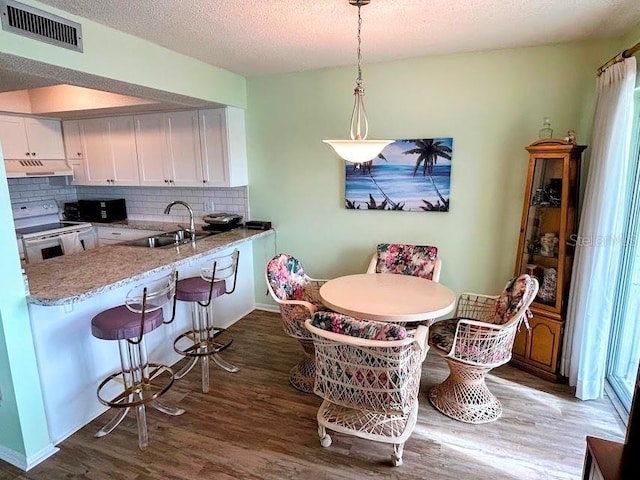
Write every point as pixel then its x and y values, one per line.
pixel 408 175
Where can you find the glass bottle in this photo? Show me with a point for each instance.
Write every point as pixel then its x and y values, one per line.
pixel 546 131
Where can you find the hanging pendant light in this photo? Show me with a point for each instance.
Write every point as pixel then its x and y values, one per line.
pixel 358 149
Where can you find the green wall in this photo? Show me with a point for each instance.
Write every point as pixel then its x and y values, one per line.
pixel 23 426
pixel 111 54
pixel 491 103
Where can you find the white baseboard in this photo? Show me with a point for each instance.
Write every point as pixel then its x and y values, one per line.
pixel 21 461
pixel 267 307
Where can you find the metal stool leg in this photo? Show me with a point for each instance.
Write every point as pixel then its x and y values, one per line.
pixel 212 332
pixel 202 342
pixel 139 383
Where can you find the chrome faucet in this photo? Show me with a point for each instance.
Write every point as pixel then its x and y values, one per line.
pixel 192 225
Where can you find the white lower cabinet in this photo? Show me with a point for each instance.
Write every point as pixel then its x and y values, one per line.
pixel 113 235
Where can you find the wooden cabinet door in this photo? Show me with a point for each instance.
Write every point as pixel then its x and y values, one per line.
pixel 71 136
pixel 44 138
pixel 14 138
pixel 545 342
pixel 213 141
pixel 122 141
pixel 152 151
pixel 183 142
pixel 98 166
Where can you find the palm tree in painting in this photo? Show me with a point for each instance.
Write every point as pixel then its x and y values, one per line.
pixel 365 168
pixel 428 151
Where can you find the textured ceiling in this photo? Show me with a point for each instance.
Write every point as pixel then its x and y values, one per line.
pixel 273 36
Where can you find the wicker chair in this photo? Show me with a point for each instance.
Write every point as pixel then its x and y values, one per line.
pixel 298 297
pixel 478 339
pixel 417 260
pixel 368 374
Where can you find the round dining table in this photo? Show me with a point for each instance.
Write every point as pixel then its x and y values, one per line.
pixel 388 297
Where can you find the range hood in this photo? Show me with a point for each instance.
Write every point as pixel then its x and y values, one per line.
pixel 37 168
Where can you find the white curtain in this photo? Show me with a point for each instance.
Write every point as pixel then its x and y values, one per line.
pixel 598 247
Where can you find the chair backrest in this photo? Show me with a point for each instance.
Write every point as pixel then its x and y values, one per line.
pixel 157 294
pixel 223 267
pixel 381 374
pixel 285 277
pixel 416 260
pixel 515 299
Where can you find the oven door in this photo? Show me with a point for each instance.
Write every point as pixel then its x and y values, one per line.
pixel 38 249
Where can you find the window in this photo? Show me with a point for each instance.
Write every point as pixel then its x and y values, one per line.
pixel 624 351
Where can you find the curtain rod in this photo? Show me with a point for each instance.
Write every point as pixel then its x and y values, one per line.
pixel 619 57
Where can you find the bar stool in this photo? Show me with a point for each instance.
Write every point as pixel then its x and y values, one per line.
pixel 205 340
pixel 139 383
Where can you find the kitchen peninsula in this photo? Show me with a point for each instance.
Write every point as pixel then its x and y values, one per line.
pixel 66 292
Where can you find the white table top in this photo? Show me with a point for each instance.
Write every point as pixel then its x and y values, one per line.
pixel 387 297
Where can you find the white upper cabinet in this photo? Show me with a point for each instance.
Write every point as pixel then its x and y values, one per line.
pixel 31 138
pixel 169 149
pixel 224 147
pixel 183 142
pixel 152 149
pixel 72 143
pixel 73 150
pixel 109 148
pixel 203 148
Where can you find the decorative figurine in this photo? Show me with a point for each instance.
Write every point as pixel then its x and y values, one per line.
pixel 571 137
pixel 553 192
pixel 539 198
pixel 547 292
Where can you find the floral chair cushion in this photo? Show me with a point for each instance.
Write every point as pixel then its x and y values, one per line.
pixel 441 334
pixel 512 298
pixel 286 277
pixel 367 329
pixel 416 260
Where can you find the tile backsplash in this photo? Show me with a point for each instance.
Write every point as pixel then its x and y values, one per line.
pixel 35 189
pixel 148 203
pixel 143 203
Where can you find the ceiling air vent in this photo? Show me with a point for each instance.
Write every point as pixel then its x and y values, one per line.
pixel 40 25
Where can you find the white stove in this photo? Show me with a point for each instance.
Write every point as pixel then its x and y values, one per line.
pixel 41 233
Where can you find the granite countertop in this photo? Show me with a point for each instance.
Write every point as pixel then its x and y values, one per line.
pixel 71 278
pixel 144 225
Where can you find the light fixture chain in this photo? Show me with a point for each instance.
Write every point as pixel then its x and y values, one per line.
pixel 359 51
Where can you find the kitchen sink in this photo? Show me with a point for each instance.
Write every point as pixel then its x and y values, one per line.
pixel 168 239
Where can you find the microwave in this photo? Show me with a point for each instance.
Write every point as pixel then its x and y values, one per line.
pixel 102 210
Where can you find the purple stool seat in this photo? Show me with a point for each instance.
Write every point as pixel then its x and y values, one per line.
pixel 120 323
pixel 196 289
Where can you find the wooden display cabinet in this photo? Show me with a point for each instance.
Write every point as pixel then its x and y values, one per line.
pixel 548 235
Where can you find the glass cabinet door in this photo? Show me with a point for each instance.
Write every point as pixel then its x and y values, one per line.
pixel 544 248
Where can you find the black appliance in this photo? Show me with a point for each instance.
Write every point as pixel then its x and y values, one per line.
pixel 102 210
pixel 221 222
pixel 71 211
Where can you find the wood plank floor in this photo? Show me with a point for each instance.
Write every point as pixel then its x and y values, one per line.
pixel 253 425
